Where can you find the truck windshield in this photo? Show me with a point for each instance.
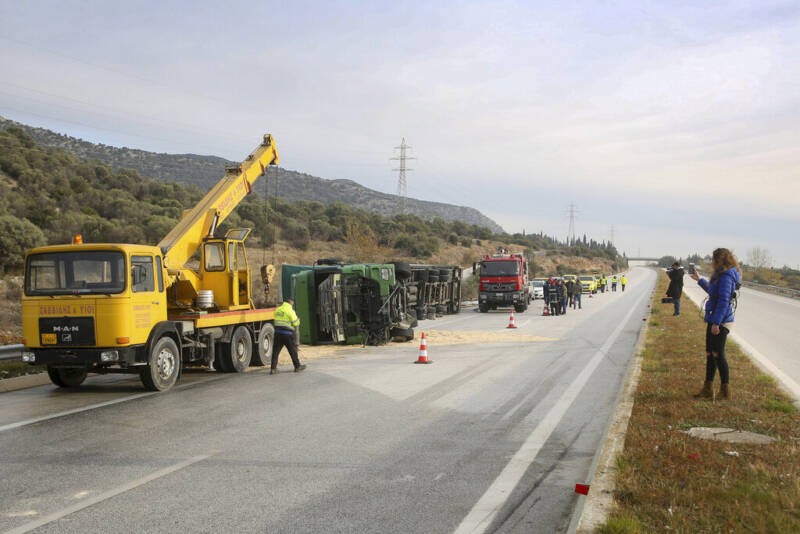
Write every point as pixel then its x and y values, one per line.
pixel 538 283
pixel 585 278
pixel 499 268
pixel 84 272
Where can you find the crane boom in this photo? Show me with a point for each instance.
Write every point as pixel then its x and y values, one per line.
pixel 183 240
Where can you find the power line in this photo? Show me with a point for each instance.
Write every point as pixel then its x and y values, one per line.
pixel 402 184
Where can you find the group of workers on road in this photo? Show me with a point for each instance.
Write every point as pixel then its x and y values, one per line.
pixel 561 294
pixel 558 294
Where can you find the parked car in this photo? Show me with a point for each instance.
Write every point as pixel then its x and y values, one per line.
pixel 537 288
pixel 588 284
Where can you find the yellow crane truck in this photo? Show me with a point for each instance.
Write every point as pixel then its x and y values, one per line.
pixel 122 308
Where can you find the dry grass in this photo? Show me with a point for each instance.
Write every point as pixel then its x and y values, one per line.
pixel 669 482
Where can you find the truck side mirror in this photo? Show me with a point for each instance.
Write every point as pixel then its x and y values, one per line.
pixel 474 268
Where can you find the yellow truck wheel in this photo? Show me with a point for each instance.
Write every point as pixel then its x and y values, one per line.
pixel 238 353
pixel 163 367
pixel 66 377
pixel 262 356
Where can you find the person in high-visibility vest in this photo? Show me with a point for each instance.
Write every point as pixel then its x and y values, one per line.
pixel 623 280
pixel 286 324
pixel 614 283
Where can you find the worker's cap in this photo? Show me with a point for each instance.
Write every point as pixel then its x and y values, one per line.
pixel 676 264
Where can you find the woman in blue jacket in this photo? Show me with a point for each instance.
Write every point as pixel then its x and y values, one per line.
pixel 718 316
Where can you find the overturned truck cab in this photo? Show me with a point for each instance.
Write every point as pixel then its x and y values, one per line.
pixel 368 304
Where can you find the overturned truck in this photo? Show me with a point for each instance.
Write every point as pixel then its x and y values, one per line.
pixel 368 303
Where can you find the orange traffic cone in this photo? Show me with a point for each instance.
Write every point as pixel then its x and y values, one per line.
pixel 546 310
pixel 511 320
pixel 423 351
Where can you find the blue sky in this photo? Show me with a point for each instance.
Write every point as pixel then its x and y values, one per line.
pixel 676 122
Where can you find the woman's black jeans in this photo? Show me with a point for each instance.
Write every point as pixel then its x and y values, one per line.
pixel 716 345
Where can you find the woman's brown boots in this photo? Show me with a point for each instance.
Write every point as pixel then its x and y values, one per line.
pixel 724 392
pixel 706 392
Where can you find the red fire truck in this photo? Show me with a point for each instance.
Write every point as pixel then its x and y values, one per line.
pixel 503 281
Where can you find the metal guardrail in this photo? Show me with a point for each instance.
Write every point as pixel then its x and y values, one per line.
pixel 11 352
pixel 794 293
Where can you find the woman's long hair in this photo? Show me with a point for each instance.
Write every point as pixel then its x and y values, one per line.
pixel 723 259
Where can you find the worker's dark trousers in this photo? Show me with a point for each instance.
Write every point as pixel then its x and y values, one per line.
pixel 282 339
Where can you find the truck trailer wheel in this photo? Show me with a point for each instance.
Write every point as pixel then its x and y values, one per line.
pixel 402 270
pixel 66 377
pixel 263 354
pixel 238 353
pixel 483 307
pixel 402 334
pixel 163 366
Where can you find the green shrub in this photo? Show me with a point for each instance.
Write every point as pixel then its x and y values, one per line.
pixel 16 236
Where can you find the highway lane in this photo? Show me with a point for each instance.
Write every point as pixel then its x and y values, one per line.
pixel 490 436
pixel 765 326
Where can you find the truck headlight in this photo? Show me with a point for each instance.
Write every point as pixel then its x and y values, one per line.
pixel 28 357
pixel 109 356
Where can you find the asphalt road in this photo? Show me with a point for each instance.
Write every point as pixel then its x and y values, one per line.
pixel 765 326
pixel 490 437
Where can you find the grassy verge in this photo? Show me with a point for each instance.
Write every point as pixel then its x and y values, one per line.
pixel 670 482
pixel 14 368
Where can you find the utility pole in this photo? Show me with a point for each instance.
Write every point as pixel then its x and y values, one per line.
pixel 612 234
pixel 572 210
pixel 402 184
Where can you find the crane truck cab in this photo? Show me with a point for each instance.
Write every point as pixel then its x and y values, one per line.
pixel 124 308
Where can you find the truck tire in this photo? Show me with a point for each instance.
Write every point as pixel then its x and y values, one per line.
pixel 163 365
pixel 483 307
pixel 402 270
pixel 237 354
pixel 66 377
pixel 262 356
pixel 402 334
pixel 445 275
pixel 455 302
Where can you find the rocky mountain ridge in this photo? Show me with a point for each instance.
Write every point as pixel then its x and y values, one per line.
pixel 205 171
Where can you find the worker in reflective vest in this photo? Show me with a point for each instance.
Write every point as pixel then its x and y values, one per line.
pixel 624 280
pixel 614 283
pixel 286 324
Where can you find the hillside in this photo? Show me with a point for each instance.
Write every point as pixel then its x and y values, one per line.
pixel 205 171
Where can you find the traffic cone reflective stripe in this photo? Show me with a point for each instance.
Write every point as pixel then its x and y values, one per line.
pixel 511 320
pixel 423 351
pixel 545 310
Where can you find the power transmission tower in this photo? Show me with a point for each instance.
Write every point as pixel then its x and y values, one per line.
pixel 572 210
pixel 402 184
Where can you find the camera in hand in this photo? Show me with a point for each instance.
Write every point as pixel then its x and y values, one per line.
pixel 692 269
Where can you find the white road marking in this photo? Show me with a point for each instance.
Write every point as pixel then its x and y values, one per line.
pixel 485 510
pixel 27 422
pixel 55 516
